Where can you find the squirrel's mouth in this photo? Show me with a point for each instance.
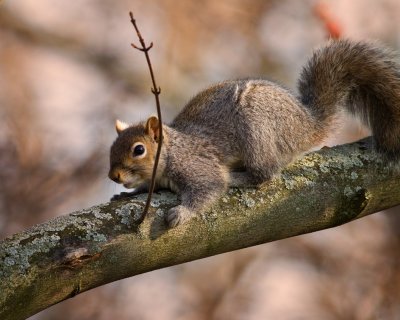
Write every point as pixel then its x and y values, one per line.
pixel 130 185
pixel 134 181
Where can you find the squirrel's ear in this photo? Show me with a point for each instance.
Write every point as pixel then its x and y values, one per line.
pixel 120 126
pixel 152 128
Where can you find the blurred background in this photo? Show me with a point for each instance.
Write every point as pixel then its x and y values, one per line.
pixel 67 71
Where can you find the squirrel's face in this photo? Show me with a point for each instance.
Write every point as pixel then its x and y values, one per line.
pixel 133 152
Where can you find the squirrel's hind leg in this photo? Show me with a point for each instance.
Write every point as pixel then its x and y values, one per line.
pixel 261 170
pixel 262 158
pixel 241 179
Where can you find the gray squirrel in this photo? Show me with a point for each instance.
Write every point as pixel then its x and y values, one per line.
pixel 243 132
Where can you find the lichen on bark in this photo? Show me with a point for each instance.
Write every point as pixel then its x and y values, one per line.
pixel 70 254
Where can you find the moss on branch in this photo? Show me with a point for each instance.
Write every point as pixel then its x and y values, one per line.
pixel 60 258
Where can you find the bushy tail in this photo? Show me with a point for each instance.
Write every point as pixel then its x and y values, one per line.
pixel 363 78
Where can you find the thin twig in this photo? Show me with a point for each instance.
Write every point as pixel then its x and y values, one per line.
pixel 156 91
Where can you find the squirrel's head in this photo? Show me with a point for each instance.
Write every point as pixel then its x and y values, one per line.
pixel 132 153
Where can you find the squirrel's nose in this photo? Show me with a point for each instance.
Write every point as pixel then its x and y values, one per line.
pixel 115 176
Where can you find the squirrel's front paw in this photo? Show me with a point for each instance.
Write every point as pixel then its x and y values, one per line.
pixel 178 215
pixel 122 195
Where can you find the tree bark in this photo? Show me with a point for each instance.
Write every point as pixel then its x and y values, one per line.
pixel 70 254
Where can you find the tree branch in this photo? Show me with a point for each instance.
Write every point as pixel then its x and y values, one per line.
pixel 74 253
pixel 156 92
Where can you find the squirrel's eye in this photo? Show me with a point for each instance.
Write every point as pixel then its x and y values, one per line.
pixel 138 150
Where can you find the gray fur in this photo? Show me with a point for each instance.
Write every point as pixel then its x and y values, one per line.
pixel 365 79
pixel 242 132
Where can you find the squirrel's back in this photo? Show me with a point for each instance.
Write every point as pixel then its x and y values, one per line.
pixel 255 123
